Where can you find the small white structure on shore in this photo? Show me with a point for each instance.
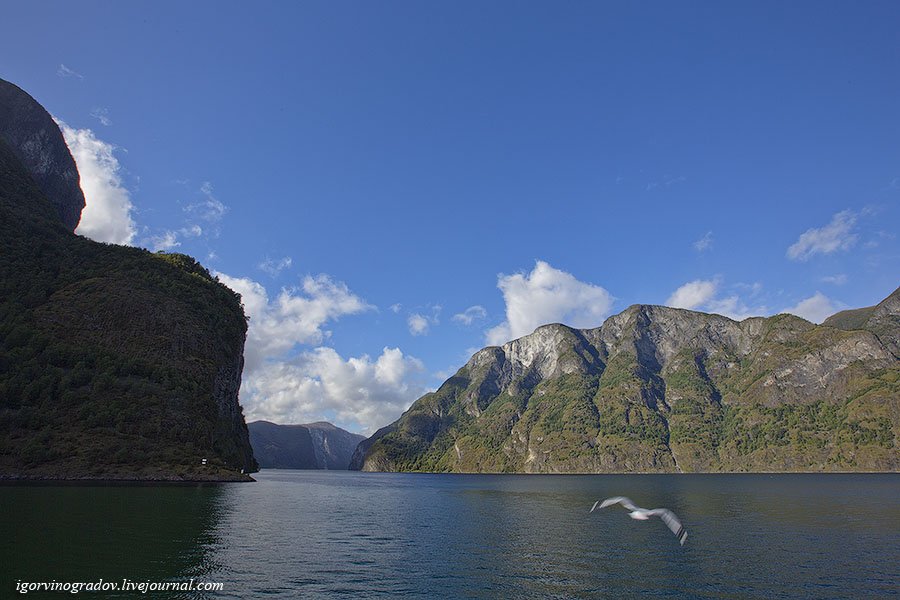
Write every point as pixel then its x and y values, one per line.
pixel 203 461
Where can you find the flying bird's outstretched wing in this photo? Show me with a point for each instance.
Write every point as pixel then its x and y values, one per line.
pixel 615 500
pixel 672 521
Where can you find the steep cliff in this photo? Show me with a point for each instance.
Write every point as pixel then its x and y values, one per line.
pixel 656 389
pixel 35 139
pixel 312 446
pixel 114 362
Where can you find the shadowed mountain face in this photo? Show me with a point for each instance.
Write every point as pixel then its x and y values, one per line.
pixel 115 363
pixel 657 389
pixel 311 446
pixel 35 139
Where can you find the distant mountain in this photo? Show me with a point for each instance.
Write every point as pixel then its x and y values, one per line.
pixel 311 446
pixel 658 389
pixel 115 362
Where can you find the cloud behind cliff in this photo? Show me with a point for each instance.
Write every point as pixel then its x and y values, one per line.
pixel 360 393
pixel 705 295
pixel 816 308
pixel 297 315
pixel 107 215
pixel 547 295
pixel 289 377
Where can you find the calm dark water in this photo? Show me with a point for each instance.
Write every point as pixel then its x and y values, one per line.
pixel 309 534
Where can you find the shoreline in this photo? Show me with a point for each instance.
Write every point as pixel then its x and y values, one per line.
pixel 122 480
pixel 126 481
pixel 582 474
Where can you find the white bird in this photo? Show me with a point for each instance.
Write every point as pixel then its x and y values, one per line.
pixel 642 514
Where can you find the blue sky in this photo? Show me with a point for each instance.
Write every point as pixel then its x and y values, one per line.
pixel 363 172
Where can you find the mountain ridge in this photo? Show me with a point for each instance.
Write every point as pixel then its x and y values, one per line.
pixel 658 389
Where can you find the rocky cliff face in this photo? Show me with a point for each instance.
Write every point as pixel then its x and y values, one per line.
pixel 311 446
pixel 334 446
pixel 114 362
pixel 658 389
pixel 35 139
pixel 883 320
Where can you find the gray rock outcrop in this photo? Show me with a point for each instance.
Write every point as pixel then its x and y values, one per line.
pixel 35 138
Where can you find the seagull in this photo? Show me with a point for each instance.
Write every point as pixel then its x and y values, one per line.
pixel 642 514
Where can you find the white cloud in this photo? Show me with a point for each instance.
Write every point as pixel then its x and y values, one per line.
pixel 816 308
pixel 286 386
pixel 547 295
pixel 470 315
pixel 702 294
pixel 839 279
pixel 168 239
pixel 693 294
pixel 396 308
pixel 64 71
pixel 295 316
pixel 209 207
pixel 752 288
pixel 734 308
pixel 704 243
pixel 358 393
pixel 102 115
pixel 500 334
pixel 837 235
pixel 879 238
pixel 165 242
pixel 274 267
pixel 107 213
pixel 418 324
pixel 191 231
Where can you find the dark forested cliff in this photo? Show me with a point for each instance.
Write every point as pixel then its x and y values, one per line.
pixel 114 362
pixel 657 389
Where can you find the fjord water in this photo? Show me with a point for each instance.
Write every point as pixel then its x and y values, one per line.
pixel 344 534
